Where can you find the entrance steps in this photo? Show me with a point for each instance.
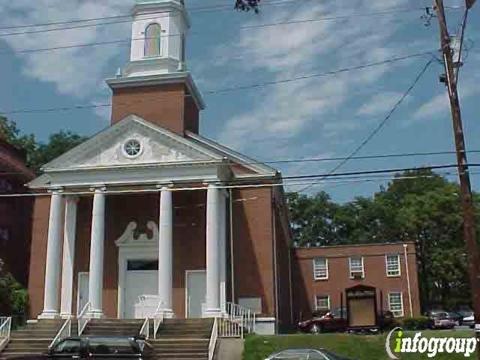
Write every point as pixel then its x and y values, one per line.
pixel 34 338
pixel 185 339
pixel 177 339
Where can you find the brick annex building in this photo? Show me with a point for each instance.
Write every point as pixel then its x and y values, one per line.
pixel 322 276
pixel 15 212
pixel 146 206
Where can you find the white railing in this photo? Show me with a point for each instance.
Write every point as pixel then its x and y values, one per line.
pixel 5 329
pixel 213 339
pixel 145 330
pixel 240 315
pixel 84 317
pixel 230 329
pixel 64 332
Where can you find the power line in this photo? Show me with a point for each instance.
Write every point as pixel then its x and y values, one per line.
pixel 241 184
pixel 382 123
pixel 229 89
pixel 246 27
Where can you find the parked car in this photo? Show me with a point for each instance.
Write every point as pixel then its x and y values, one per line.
pixel 336 320
pixel 469 321
pixel 456 317
pixel 305 354
pixel 441 320
pixel 96 347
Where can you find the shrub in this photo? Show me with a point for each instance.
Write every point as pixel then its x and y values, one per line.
pixel 13 298
pixel 416 323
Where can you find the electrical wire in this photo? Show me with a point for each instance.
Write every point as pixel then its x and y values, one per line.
pixel 382 123
pixel 228 89
pixel 242 184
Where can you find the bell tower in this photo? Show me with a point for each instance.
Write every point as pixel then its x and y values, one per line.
pixel 155 84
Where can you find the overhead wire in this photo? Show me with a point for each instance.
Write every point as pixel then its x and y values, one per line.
pixel 229 89
pixel 382 123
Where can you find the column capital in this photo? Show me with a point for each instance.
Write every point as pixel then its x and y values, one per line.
pixel 99 189
pixel 165 187
pixel 56 190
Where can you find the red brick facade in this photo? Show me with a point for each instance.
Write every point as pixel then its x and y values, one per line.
pixel 253 238
pixel 307 288
pixel 15 212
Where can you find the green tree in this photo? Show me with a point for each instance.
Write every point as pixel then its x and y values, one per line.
pixel 38 154
pixel 418 206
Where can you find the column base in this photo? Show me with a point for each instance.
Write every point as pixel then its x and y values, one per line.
pixel 167 313
pixel 66 315
pixel 212 313
pixel 96 314
pixel 49 315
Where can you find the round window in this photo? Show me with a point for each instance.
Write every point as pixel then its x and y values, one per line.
pixel 132 148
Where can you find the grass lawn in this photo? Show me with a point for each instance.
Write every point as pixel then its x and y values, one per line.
pixel 361 347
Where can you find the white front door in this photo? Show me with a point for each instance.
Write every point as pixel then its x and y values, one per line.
pixel 82 293
pixel 195 293
pixel 138 283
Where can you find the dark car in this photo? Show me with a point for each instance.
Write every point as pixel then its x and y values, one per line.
pixel 96 347
pixel 305 354
pixel 335 320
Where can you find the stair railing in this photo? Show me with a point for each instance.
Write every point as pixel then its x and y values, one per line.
pixel 5 330
pixel 240 315
pixel 84 317
pixel 64 332
pixel 145 330
pixel 158 318
pixel 213 339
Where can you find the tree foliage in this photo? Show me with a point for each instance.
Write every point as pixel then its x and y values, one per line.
pixel 418 206
pixel 247 5
pixel 13 297
pixel 37 153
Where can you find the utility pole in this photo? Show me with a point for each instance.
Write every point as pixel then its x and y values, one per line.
pixel 469 228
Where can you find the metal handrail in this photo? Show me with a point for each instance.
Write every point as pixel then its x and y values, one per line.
pixel 241 315
pixel 65 331
pixel 5 330
pixel 213 340
pixel 158 318
pixel 83 318
pixel 145 330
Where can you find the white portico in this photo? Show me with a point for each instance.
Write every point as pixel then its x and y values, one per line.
pixel 163 163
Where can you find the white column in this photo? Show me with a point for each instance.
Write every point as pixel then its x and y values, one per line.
pixel 52 268
pixel 165 252
pixel 68 256
pixel 213 258
pixel 223 250
pixel 95 283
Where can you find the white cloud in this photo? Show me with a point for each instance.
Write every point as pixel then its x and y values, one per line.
pixel 434 107
pixel 379 103
pixel 76 71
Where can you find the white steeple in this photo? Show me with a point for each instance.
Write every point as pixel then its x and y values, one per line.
pixel 158 38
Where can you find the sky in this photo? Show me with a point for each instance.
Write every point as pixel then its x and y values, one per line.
pixel 311 117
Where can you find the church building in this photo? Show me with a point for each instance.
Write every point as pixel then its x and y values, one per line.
pixel 149 208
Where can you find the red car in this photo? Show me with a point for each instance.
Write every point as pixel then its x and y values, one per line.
pixel 335 320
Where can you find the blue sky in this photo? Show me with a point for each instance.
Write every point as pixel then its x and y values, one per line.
pixel 315 117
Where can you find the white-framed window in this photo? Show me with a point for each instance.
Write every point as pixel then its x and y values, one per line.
pixel 153 40
pixel 322 302
pixel 392 264
pixel 252 303
pixel 395 303
pixel 320 268
pixel 357 269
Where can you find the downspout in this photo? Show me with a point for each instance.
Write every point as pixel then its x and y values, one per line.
pixel 232 259
pixel 275 270
pixel 290 290
pixel 405 247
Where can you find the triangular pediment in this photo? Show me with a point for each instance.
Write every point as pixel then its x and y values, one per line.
pixel 107 149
